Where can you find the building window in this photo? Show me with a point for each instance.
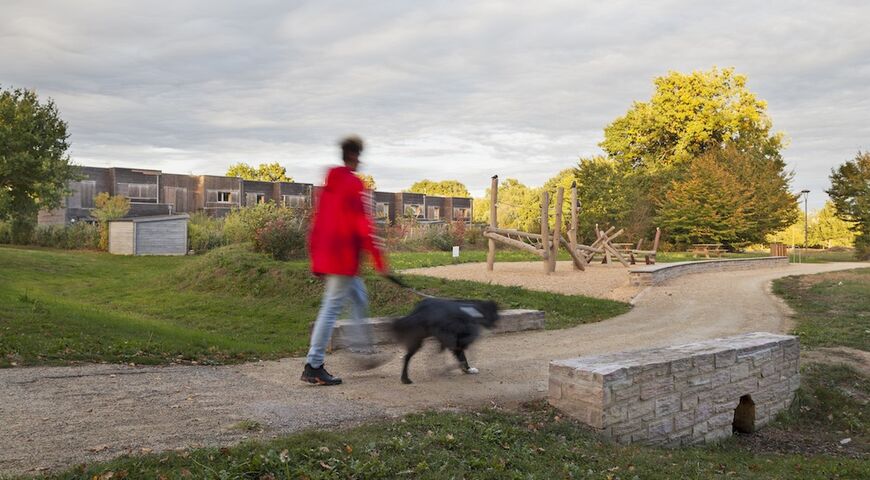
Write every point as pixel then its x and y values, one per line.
pixel 261 199
pixel 414 210
pixel 434 213
pixel 138 191
pixel 460 213
pixel 223 197
pixel 294 201
pixel 382 211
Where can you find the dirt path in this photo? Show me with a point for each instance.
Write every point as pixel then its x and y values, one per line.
pixel 56 417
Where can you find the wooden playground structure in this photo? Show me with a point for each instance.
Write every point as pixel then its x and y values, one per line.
pixel 546 244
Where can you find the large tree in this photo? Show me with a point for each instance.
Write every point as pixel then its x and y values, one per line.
pixel 655 144
pixel 34 165
pixel 689 114
pixel 850 192
pixel 444 188
pixel 709 205
pixel 368 181
pixel 265 172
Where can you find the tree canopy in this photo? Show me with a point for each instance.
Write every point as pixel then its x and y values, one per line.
pixel 444 188
pixel 35 168
pixel 850 193
pixel 689 114
pixel 519 207
pixel 265 172
pixel 368 181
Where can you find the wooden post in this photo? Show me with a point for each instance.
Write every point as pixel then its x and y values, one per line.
pixel 545 231
pixel 572 235
pixel 557 230
pixel 493 221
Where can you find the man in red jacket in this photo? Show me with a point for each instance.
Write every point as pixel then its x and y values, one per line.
pixel 341 230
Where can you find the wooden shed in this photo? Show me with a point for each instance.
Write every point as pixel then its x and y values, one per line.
pixel 157 235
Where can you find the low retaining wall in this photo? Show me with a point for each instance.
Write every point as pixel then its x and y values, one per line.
pixel 655 274
pixel 687 394
pixel 517 320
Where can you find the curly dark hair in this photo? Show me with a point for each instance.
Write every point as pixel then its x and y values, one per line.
pixel 351 144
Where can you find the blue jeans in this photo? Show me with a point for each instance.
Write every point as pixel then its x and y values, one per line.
pixel 340 288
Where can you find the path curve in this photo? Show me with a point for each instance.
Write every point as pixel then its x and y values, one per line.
pixel 53 417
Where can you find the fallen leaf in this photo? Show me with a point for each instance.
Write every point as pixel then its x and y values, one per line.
pixel 348 449
pixel 324 449
pixel 325 466
pixel 185 473
pixel 98 448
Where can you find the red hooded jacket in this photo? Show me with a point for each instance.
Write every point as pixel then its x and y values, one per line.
pixel 342 227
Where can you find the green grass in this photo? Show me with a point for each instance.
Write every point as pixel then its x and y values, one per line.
pixel 831 308
pixel 231 305
pixel 534 443
pixel 404 260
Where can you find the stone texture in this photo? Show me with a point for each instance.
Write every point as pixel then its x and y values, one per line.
pixel 680 395
pixel 516 320
pixel 655 274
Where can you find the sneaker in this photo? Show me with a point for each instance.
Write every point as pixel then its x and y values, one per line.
pixel 318 376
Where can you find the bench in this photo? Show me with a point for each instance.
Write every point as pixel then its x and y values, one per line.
pixel 680 395
pixel 706 249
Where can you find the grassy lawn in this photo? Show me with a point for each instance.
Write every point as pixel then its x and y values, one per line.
pixel 533 443
pixel 403 260
pixel 231 305
pixel 538 442
pixel 832 309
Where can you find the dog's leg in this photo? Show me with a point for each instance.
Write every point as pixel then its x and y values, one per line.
pixel 412 349
pixel 463 362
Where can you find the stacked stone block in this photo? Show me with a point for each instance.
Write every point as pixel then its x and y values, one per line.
pixel 654 274
pixel 678 395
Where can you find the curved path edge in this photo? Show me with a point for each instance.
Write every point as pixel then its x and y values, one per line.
pixel 54 417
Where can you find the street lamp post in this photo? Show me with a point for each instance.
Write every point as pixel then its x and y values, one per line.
pixel 806 194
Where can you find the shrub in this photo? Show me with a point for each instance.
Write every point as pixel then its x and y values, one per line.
pixel 205 233
pixel 108 208
pixel 5 232
pixel 457 232
pixel 241 225
pixel 77 236
pixel 438 237
pixel 282 238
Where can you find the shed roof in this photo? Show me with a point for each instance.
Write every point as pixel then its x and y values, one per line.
pixel 153 218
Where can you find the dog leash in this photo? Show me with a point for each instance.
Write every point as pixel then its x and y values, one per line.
pixel 398 281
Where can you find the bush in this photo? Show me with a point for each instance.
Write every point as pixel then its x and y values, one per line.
pixel 205 233
pixel 438 237
pixel 76 236
pixel 108 208
pixel 241 225
pixel 5 232
pixel 282 238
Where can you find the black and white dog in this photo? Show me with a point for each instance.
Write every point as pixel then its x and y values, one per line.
pixel 454 323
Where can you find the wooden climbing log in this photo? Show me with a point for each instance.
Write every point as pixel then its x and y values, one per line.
pixel 557 227
pixel 577 259
pixel 545 232
pixel 572 233
pixel 505 231
pixel 493 221
pixel 513 243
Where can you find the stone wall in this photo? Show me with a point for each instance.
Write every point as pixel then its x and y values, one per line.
pixel 655 274
pixel 680 395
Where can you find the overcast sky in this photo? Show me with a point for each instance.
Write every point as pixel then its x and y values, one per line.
pixel 440 90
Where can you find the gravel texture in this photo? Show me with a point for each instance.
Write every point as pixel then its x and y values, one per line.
pixel 601 281
pixel 54 417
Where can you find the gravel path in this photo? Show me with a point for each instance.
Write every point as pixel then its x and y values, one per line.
pixel 600 281
pixel 56 417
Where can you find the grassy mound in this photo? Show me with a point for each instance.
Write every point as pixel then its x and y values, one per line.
pixel 230 305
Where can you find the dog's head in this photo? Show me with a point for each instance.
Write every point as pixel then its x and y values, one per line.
pixel 489 309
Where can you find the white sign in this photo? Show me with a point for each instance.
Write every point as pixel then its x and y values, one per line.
pixel 455 252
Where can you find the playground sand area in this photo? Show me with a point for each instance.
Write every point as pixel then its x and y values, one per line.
pixel 600 281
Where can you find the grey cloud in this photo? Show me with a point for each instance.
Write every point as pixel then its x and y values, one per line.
pixel 440 90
